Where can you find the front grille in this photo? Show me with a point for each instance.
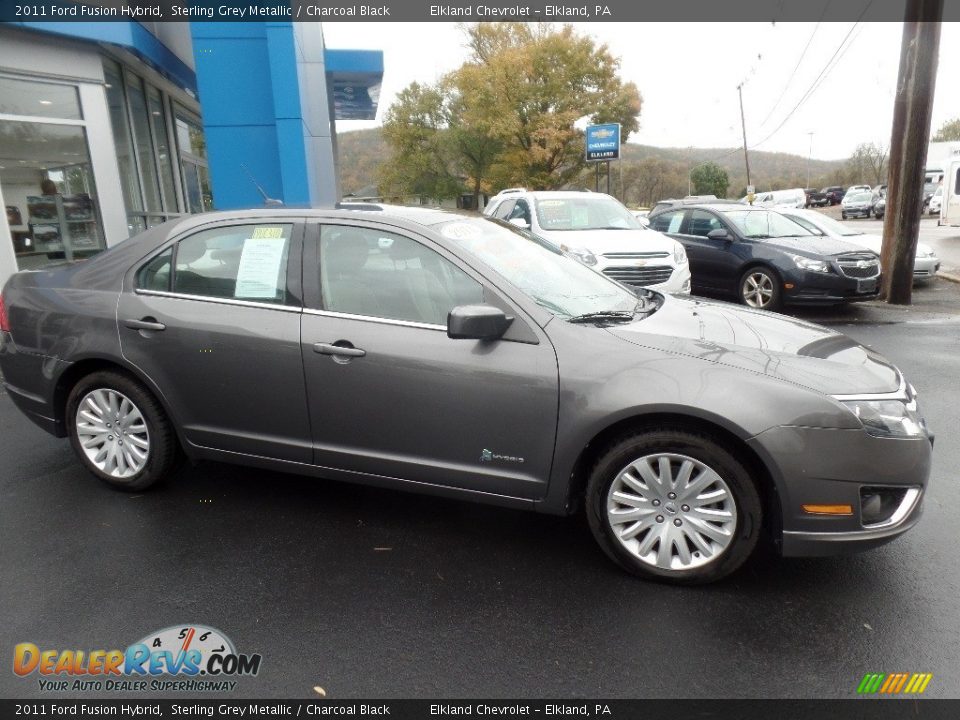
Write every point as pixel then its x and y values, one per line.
pixel 635 255
pixel 652 275
pixel 859 265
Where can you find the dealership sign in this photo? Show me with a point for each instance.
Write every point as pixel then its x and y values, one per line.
pixel 603 142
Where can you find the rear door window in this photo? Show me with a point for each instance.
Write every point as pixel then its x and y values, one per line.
pixel 237 262
pixel 668 222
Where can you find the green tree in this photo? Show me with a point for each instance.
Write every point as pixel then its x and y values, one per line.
pixel 534 83
pixel 948 132
pixel 710 179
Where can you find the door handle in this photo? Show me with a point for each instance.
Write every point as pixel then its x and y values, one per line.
pixel 148 323
pixel 345 350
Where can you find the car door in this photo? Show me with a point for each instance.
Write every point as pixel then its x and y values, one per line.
pixel 714 262
pixel 392 396
pixel 213 320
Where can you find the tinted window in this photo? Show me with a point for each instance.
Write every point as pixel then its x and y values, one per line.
pixel 702 222
pixel 364 271
pixel 155 275
pixel 520 210
pixel 242 262
pixel 956 187
pixel 668 222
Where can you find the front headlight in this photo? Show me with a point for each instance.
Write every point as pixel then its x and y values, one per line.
pixel 888 418
pixel 581 254
pixel 805 263
pixel 679 254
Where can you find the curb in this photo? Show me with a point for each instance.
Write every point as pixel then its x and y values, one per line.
pixel 953 277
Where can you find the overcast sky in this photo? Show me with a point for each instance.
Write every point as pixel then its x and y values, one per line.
pixel 688 75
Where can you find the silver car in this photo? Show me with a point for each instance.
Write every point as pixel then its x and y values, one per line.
pixel 458 356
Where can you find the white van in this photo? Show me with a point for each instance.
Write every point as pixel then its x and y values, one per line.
pixel 795 198
pixel 950 202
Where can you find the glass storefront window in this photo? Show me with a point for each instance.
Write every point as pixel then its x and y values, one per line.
pixel 129 183
pixel 193 160
pixel 39 99
pixel 164 156
pixel 142 142
pixel 49 192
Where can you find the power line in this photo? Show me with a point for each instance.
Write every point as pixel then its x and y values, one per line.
pixel 823 73
pixel 797 66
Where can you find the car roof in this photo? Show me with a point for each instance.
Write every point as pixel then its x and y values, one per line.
pixel 551 194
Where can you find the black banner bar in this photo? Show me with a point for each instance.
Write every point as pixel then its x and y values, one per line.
pixel 858 709
pixel 457 10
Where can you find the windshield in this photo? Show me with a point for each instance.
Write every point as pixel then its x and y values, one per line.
pixel 825 223
pixel 761 224
pixel 589 212
pixel 562 285
pixel 861 197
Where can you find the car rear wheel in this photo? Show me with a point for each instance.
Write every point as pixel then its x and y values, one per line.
pixel 760 288
pixel 120 432
pixel 673 505
pixel 843 215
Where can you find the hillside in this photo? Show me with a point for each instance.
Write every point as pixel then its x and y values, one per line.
pixel 362 151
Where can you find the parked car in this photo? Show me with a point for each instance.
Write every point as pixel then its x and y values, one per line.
pixel 925 265
pixel 856 204
pixel 880 207
pixel 766 260
pixel 815 198
pixel 933 207
pixel 600 232
pixel 780 198
pixel 689 200
pixel 834 194
pixel 427 351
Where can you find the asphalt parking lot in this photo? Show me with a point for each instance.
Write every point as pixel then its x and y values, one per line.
pixel 371 593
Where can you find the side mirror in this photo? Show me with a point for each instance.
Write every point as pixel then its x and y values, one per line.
pixel 520 223
pixel 719 234
pixel 477 322
pixel 644 220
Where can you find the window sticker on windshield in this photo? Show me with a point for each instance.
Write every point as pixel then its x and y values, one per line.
pixel 258 275
pixel 460 231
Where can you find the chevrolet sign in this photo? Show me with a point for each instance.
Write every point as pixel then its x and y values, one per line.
pixel 603 142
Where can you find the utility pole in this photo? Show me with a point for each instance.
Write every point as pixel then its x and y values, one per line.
pixel 912 109
pixel 743 122
pixel 809 155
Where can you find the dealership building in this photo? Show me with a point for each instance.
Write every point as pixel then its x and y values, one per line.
pixel 109 128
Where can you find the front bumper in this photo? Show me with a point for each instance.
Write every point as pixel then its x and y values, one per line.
pixel 818 466
pixel 925 268
pixel 812 288
pixel 857 212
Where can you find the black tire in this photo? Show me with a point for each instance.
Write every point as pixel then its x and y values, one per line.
pixel 776 297
pixel 164 450
pixel 701 448
pixel 843 215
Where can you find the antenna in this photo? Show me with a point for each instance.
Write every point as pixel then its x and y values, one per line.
pixel 267 200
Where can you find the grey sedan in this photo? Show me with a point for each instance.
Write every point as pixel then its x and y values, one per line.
pixel 450 355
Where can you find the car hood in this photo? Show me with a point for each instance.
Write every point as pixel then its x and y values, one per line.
pixel 605 241
pixel 869 241
pixel 792 350
pixel 818 245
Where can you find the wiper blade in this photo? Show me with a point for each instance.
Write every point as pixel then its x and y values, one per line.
pixel 759 237
pixel 612 315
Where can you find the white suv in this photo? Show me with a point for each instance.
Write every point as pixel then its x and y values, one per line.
pixel 600 232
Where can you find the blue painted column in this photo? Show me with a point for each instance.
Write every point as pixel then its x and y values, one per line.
pixel 249 89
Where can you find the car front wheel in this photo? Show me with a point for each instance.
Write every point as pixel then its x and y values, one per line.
pixel 120 432
pixel 674 505
pixel 760 288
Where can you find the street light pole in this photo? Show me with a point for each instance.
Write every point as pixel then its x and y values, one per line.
pixel 743 122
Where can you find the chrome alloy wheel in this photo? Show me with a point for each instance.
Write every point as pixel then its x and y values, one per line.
pixel 757 290
pixel 113 433
pixel 671 511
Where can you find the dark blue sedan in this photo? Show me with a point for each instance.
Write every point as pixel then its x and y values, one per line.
pixel 765 259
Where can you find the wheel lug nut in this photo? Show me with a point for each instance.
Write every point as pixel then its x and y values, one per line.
pixel 672 496
pixel 678 522
pixel 685 508
pixel 656 503
pixel 108 424
pixel 109 437
pixel 659 518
